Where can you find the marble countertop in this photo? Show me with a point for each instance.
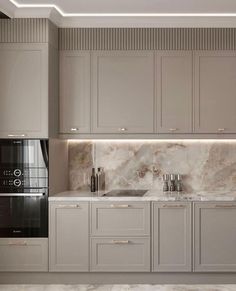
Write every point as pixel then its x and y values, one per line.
pixel 151 195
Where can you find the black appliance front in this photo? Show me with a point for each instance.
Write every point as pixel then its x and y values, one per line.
pixel 23 188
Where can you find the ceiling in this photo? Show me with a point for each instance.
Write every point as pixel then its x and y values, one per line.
pixel 136 13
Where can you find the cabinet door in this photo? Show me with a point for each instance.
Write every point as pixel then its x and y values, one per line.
pixel 68 237
pixel 24 90
pixel 23 254
pixel 214 237
pixel 215 87
pixel 120 218
pixel 119 254
pixel 172 237
pixel 74 92
pixel 123 92
pixel 174 92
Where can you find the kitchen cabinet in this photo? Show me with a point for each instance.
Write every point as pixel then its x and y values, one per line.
pixel 123 92
pixel 215 87
pixel 172 237
pixel 120 254
pixel 24 90
pixel 74 92
pixel 174 92
pixel 69 236
pixel 23 254
pixel 120 218
pixel 214 237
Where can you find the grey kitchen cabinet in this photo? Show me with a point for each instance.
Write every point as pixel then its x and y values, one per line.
pixel 120 218
pixel 23 255
pixel 215 87
pixel 120 254
pixel 172 244
pixel 69 236
pixel 123 92
pixel 214 237
pixel 74 92
pixel 174 92
pixel 24 83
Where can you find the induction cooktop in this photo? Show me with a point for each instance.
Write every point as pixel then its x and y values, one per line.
pixel 124 193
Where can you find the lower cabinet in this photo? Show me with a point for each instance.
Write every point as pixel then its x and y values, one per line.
pixel 172 237
pixel 69 237
pixel 24 254
pixel 215 237
pixel 120 254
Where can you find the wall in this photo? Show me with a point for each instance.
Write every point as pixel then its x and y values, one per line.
pixel 205 165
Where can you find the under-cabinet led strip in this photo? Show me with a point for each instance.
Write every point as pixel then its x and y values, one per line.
pixel 64 14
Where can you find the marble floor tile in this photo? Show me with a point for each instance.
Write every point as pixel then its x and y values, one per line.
pixel 117 287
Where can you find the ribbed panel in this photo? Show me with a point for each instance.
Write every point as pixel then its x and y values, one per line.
pixel 147 38
pixel 27 30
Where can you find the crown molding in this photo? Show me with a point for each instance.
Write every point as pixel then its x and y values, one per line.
pixel 61 19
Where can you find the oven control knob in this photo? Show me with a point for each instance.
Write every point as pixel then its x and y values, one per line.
pixel 17 182
pixel 17 172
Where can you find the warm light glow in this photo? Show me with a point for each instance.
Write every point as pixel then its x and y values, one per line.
pixel 64 14
pixel 154 140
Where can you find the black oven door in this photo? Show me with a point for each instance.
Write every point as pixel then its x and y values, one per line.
pixel 24 214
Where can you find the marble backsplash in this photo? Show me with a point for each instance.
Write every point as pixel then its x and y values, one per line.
pixel 205 165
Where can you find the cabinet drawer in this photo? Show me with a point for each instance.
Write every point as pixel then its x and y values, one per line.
pixel 118 254
pixel 120 218
pixel 23 255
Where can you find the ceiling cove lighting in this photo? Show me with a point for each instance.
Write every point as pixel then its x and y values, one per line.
pixel 64 14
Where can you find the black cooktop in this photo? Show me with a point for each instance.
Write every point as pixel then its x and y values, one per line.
pixel 124 193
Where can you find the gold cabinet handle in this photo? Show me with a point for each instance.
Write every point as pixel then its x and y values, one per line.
pixel 173 129
pixel 173 206
pixel 221 129
pixel 73 129
pixel 68 206
pixel 17 243
pixel 16 135
pixel 120 241
pixel 122 129
pixel 120 206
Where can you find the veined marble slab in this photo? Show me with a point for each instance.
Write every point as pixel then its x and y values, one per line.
pixel 151 195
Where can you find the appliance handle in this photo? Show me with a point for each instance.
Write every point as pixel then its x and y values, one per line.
pixel 21 194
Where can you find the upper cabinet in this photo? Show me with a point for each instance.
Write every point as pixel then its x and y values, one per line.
pixel 24 90
pixel 74 92
pixel 123 92
pixel 215 92
pixel 174 92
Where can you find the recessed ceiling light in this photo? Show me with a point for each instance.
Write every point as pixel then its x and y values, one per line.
pixel 64 14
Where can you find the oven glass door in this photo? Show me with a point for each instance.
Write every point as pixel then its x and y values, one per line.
pixel 24 216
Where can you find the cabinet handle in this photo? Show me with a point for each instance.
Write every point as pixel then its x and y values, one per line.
pixel 120 206
pixel 120 242
pixel 225 206
pixel 173 206
pixel 173 129
pixel 69 206
pixel 74 129
pixel 122 129
pixel 221 129
pixel 16 135
pixel 18 243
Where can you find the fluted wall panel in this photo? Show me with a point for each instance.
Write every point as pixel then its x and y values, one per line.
pixel 147 38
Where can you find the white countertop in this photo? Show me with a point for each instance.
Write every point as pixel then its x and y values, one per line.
pixel 151 195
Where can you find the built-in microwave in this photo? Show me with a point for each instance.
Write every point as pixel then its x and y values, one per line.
pixel 23 188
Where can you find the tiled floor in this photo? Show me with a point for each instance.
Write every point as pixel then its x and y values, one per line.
pixel 118 287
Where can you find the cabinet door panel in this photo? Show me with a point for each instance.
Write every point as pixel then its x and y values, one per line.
pixel 215 87
pixel 172 237
pixel 117 254
pixel 215 237
pixel 174 92
pixel 123 92
pixel 74 92
pixel 24 90
pixel 69 242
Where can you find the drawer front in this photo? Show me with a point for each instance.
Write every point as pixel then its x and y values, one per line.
pixel 120 254
pixel 23 255
pixel 120 218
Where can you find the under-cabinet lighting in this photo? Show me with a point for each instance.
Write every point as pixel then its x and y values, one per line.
pixel 153 140
pixel 65 14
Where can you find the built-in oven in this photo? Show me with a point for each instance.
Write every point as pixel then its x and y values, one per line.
pixel 23 188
